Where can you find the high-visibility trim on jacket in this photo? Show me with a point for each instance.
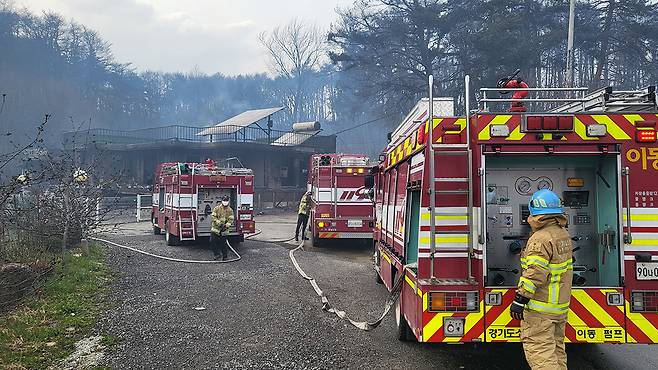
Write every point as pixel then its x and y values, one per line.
pixel 304 205
pixel 547 265
pixel 222 219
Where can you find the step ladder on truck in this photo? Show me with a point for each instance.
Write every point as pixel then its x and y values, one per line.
pixel 184 195
pixel 451 197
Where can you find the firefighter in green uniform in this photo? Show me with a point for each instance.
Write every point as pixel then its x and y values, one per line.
pixel 302 215
pixel 222 220
pixel 544 291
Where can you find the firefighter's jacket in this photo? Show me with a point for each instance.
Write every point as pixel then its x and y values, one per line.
pixel 547 265
pixel 222 219
pixel 305 205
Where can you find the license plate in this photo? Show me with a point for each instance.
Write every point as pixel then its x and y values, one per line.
pixel 453 327
pixel 354 223
pixel 646 270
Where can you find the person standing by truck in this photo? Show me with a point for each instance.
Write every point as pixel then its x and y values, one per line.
pixel 222 220
pixel 544 292
pixel 302 215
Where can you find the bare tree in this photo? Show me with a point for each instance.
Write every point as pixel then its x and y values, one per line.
pixel 296 51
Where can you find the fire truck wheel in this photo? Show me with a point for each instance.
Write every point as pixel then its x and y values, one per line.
pixel 172 240
pixel 404 331
pixel 156 230
pixel 315 241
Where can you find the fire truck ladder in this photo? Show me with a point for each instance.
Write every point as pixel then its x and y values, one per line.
pixel 188 196
pixel 610 100
pixel 466 180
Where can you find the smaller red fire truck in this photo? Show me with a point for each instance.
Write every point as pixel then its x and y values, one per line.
pixel 342 207
pixel 184 195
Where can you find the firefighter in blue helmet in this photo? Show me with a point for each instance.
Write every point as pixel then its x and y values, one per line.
pixel 544 291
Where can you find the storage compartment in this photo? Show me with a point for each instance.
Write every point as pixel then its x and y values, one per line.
pixel 589 188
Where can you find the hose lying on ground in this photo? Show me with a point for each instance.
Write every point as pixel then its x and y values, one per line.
pixel 171 258
pixel 258 232
pixel 363 325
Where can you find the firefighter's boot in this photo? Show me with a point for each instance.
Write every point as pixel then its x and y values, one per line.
pixel 543 340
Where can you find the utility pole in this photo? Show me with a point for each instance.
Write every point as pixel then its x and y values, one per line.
pixel 570 58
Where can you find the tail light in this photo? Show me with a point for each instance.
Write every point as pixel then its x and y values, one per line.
pixel 453 301
pixel 645 301
pixel 645 136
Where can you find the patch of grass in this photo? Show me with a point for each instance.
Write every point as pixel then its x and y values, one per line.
pixel 46 327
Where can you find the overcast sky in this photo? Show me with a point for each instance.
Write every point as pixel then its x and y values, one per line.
pixel 179 35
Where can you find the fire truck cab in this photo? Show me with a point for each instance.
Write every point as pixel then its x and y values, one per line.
pixel 342 209
pixel 184 195
pixel 451 205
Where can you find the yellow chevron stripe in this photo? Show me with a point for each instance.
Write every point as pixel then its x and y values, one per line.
pixel 590 304
pixel 497 120
pixel 516 134
pixel 581 130
pixel 420 293
pixel 632 118
pixel 434 325
pixel 613 129
pixel 424 302
pixel 642 323
pixel 470 320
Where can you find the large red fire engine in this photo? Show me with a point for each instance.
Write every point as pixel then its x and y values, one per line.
pixel 451 206
pixel 184 195
pixel 342 208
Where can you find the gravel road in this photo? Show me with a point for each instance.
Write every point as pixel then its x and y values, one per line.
pixel 259 313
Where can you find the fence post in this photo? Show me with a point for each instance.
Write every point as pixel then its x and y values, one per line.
pixel 139 207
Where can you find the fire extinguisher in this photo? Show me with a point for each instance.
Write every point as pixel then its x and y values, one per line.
pixel 513 82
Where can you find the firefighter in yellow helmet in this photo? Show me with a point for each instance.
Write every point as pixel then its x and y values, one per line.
pixel 222 219
pixel 302 215
pixel 544 291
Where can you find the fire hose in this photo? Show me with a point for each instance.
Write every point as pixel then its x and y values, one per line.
pixel 258 232
pixel 326 306
pixel 171 258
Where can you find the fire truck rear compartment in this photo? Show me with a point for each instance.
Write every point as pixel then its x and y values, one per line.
pixel 589 188
pixel 209 198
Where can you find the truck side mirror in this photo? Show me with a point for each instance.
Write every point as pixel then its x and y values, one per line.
pixel 369 181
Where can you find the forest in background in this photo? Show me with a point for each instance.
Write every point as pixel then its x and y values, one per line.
pixel 361 75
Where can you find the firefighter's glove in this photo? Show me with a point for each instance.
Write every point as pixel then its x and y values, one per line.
pixel 516 309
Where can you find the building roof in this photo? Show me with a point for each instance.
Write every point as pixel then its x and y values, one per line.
pixel 237 123
pixel 294 138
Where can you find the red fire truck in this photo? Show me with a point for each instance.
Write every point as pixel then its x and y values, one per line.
pixel 451 208
pixel 342 208
pixel 184 195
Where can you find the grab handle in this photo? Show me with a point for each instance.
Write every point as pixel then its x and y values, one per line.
pixel 628 237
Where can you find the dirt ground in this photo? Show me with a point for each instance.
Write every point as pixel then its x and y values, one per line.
pixel 259 313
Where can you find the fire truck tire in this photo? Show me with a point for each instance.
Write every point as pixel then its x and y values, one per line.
pixel 156 230
pixel 404 331
pixel 171 239
pixel 378 278
pixel 315 241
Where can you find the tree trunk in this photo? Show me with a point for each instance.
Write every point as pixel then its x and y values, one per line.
pixel 605 43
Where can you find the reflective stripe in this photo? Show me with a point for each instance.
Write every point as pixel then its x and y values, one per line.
pixel 534 260
pixel 527 284
pixel 548 307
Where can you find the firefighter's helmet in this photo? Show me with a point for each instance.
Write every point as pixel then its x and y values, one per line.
pixel 545 202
